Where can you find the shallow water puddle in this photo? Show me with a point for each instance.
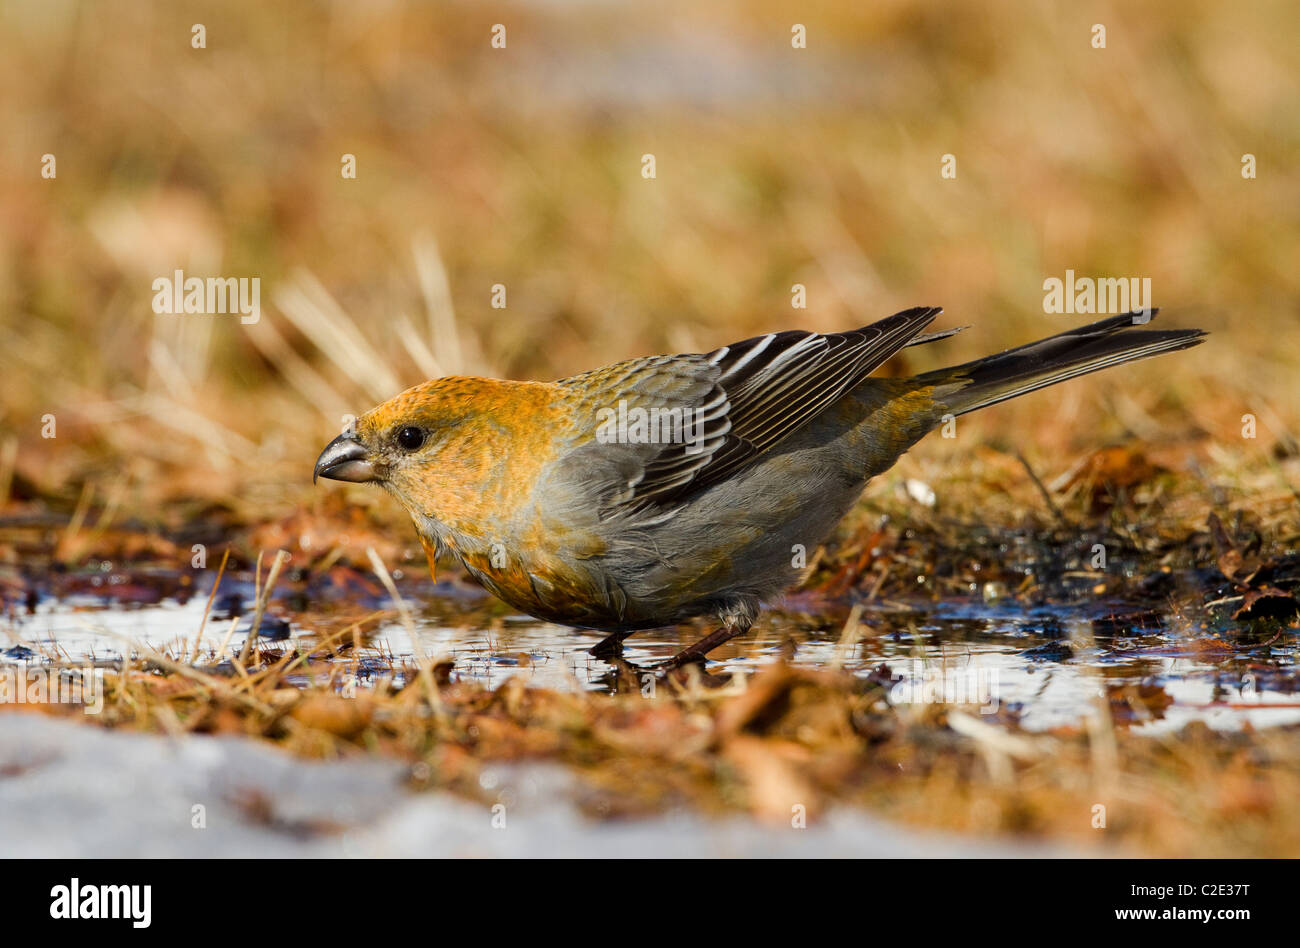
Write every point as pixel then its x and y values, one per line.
pixel 1046 665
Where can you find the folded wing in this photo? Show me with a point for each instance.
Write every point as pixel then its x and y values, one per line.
pixel 738 401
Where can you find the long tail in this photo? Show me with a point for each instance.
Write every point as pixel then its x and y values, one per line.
pixel 996 378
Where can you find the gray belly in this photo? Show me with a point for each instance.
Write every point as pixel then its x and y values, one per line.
pixel 751 537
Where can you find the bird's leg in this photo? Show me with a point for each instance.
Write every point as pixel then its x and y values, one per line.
pixel 611 646
pixel 732 626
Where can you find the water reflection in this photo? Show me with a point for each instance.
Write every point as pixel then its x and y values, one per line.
pixel 1047 666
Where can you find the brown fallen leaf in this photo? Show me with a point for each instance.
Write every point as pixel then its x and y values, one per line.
pixel 1266 601
pixel 1137 702
pixel 1107 472
pixel 1231 562
pixel 764 696
pixel 771 770
pixel 342 717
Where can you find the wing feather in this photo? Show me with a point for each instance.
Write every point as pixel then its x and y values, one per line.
pixel 745 398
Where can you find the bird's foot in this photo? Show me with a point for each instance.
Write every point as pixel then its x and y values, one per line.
pixel 696 653
pixel 610 647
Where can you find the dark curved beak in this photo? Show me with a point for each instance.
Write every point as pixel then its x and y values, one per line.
pixel 344 459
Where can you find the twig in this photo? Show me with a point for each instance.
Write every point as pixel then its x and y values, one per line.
pixel 849 638
pixel 281 556
pixel 1047 497
pixel 426 669
pixel 194 653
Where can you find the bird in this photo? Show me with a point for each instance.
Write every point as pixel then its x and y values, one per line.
pixel 656 490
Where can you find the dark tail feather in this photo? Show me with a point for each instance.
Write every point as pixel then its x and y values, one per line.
pixel 935 336
pixel 1067 355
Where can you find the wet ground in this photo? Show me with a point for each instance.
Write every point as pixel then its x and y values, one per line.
pixel 1042 664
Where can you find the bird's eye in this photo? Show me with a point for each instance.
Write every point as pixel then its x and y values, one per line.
pixel 410 438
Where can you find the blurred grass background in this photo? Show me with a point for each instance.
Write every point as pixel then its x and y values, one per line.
pixel 522 166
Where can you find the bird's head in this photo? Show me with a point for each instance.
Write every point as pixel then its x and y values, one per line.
pixel 451 450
